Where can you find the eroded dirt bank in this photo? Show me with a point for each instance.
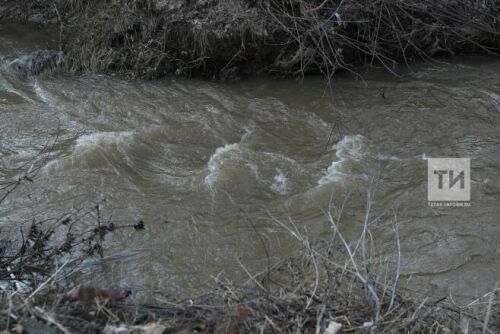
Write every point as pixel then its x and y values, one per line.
pixel 230 39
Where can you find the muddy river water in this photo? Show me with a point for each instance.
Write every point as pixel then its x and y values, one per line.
pixel 206 164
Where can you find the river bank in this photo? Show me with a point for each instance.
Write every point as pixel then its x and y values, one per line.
pixel 233 39
pixel 219 171
pixel 329 287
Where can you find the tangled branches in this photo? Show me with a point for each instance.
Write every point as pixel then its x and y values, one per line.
pixel 329 35
pixel 29 254
pixel 37 252
pixel 228 39
pixel 331 284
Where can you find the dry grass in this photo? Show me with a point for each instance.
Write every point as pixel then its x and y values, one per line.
pixel 228 39
pixel 330 282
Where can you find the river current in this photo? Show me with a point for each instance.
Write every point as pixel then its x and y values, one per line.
pixel 205 165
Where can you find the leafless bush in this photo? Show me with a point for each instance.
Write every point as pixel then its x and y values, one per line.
pixel 327 35
pixel 227 39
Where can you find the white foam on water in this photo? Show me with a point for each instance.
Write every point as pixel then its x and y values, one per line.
pixel 17 63
pixel 217 160
pixel 280 184
pixel 6 85
pixel 42 94
pixel 102 139
pixel 494 96
pixel 385 157
pixel 351 148
pixel 90 142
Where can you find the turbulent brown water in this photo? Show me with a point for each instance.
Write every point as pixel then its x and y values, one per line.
pixel 206 164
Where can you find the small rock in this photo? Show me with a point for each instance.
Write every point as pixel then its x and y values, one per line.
pixel 333 328
pixel 90 294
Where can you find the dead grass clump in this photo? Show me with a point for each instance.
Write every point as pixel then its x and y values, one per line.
pixel 145 40
pixel 231 38
pixel 228 38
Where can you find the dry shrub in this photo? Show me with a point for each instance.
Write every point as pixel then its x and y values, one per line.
pixel 230 38
pixel 288 37
pixel 331 35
